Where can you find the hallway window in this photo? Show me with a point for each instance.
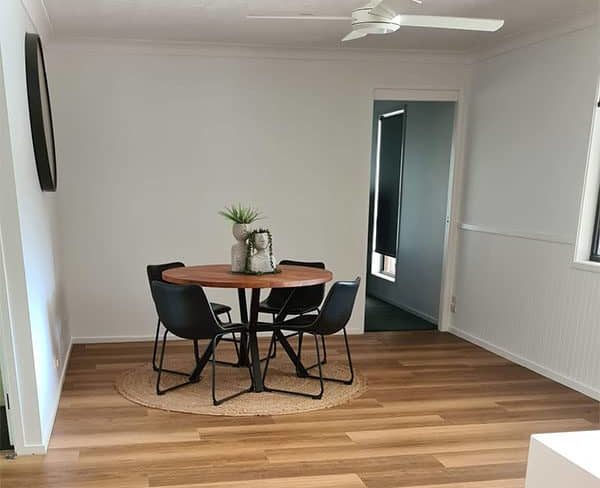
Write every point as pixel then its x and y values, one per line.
pixel 388 189
pixel 388 266
pixel 390 156
pixel 595 255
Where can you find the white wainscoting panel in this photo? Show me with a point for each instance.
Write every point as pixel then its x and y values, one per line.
pixel 521 298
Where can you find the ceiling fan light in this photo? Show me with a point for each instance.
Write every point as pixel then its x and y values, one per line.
pixel 375 18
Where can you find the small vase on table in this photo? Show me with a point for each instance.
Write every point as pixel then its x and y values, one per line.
pixel 239 249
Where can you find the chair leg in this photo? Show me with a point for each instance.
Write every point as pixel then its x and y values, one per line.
pixel 227 363
pixel 196 351
pixel 300 338
pixel 234 339
pixel 324 361
pixel 324 348
pixel 162 357
pixel 154 366
pixel 268 357
pixel 275 345
pixel 214 361
pixel 235 344
pixel 320 368
pixel 350 366
pixel 351 380
pixel 317 396
pixel 161 370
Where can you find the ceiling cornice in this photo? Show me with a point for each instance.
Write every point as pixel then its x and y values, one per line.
pixel 553 30
pixel 151 47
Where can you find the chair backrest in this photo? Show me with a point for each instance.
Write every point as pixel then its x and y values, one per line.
pixel 185 310
pixel 155 271
pixel 304 297
pixel 337 308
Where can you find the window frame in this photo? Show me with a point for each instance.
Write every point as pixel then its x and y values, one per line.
pixel 595 251
pixel 594 136
pixel 587 243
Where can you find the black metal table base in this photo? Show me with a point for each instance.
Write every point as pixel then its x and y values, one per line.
pixel 249 342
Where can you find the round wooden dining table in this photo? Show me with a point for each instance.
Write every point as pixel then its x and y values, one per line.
pixel 221 276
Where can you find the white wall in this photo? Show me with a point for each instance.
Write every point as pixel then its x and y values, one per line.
pixel 517 292
pixel 38 334
pixel 153 141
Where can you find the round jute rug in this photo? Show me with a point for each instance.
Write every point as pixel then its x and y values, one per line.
pixel 138 385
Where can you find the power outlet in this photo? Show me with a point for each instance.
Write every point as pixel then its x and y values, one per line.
pixel 453 304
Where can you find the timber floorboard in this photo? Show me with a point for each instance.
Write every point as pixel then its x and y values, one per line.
pixel 439 413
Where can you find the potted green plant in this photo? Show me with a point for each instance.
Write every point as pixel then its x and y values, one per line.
pixel 241 216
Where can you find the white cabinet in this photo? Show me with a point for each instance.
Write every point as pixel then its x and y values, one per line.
pixel 565 460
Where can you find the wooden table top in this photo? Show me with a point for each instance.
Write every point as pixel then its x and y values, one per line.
pixel 220 276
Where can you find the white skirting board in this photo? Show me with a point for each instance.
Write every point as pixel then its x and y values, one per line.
pixel 41 449
pixel 538 368
pixel 116 339
pixel 150 338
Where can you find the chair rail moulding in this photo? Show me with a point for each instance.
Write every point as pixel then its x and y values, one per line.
pixel 532 236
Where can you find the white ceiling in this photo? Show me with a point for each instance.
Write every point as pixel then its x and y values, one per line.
pixel 224 21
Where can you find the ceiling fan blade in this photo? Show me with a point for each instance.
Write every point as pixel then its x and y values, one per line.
pixel 460 23
pixel 357 34
pixel 296 17
pixel 373 4
pixel 379 8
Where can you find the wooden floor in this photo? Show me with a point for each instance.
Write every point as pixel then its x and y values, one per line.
pixel 439 412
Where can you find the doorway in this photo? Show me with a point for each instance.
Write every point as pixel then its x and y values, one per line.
pixel 410 178
pixel 5 443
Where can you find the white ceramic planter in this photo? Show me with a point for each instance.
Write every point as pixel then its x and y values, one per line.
pixel 238 250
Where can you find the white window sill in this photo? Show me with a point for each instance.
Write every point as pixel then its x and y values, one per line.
pixel 384 276
pixel 590 266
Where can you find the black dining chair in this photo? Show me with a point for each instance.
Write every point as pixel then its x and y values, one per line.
pixel 154 272
pixel 283 302
pixel 332 318
pixel 185 312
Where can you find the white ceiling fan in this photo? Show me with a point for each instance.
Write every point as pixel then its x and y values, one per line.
pixel 377 18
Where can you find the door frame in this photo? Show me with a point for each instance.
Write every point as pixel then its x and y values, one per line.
pixel 7 375
pixel 455 184
pixel 14 311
